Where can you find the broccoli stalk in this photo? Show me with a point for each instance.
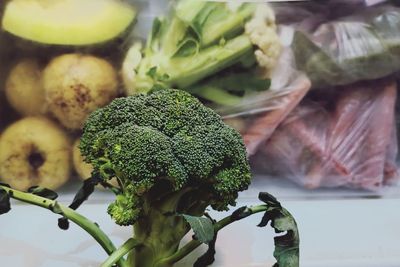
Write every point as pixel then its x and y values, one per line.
pixel 198 40
pixel 159 233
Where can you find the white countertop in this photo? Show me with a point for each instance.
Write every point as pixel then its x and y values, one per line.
pixel 334 232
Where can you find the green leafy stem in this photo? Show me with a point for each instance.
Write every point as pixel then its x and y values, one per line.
pixel 54 206
pixel 286 246
pixel 205 229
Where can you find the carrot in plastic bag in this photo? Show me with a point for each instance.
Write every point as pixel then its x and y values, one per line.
pixel 353 145
pixel 259 115
pixel 262 127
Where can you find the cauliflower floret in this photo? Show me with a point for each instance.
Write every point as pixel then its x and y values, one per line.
pixel 261 30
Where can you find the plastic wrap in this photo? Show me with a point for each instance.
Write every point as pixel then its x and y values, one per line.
pixel 350 141
pixel 349 49
pixel 257 116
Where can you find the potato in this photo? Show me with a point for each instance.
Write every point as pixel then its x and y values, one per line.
pixel 35 151
pixel 24 89
pixel 75 85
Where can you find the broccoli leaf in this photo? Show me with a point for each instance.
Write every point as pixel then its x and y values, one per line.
pixel 81 196
pixel 4 202
pixel 202 227
pixel 85 191
pixel 43 192
pixel 286 246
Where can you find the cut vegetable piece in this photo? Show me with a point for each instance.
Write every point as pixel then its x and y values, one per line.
pixel 67 22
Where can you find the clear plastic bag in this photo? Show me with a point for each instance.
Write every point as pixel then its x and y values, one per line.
pixel 348 140
pixel 257 116
pixel 349 49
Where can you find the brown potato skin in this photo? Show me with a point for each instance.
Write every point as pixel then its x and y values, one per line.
pixel 29 136
pixel 76 85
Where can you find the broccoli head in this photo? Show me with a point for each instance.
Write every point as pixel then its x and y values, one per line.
pixel 163 144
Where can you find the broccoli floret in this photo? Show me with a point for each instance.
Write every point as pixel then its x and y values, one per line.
pixel 169 136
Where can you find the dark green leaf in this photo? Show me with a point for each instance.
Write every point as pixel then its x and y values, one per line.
pixel 4 201
pixel 43 192
pixel 268 216
pixel 209 256
pixel 84 192
pixel 202 227
pixel 286 246
pixel 269 199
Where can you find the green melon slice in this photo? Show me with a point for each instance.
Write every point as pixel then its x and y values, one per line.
pixel 67 22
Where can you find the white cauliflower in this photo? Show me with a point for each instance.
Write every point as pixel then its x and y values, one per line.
pixel 262 32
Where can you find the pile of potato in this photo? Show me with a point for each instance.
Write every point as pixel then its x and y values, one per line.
pixel 53 100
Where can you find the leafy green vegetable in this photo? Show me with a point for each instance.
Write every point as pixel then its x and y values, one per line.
pixel 286 246
pixel 200 39
pixel 319 66
pixel 352 51
pixel 202 227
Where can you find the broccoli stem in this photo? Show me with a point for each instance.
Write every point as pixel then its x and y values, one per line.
pixel 160 229
pixel 193 244
pixel 184 72
pixel 55 207
pixel 159 236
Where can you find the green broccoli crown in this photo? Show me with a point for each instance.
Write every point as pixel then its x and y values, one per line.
pixel 165 135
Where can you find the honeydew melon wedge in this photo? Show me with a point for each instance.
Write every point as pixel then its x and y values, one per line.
pixel 67 22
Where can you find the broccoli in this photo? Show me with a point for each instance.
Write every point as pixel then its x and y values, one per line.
pixel 173 158
pixel 200 39
pixel 171 155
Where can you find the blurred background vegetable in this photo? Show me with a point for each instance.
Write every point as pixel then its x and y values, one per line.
pixel 206 48
pixel 76 85
pixel 35 151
